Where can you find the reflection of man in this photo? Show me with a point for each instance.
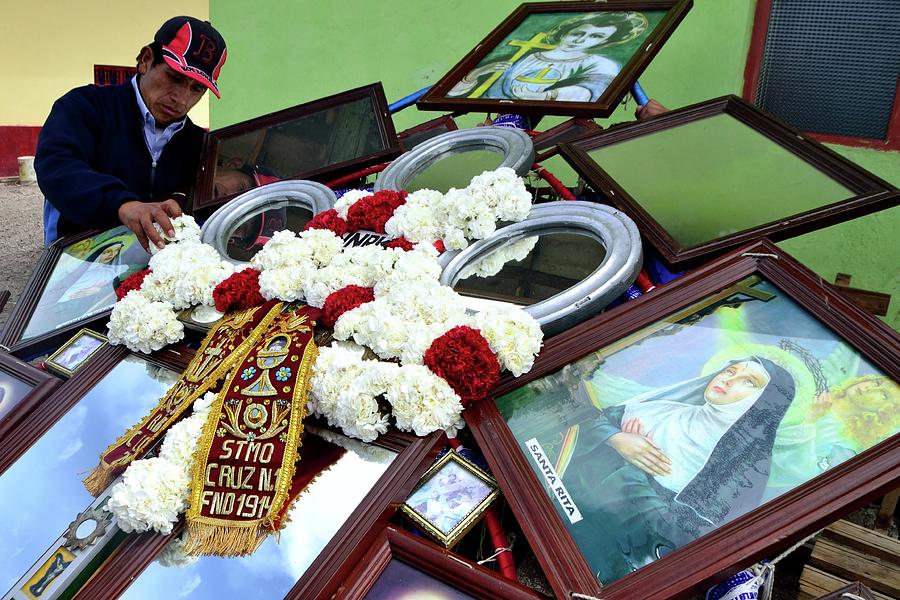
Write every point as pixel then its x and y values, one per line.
pixel 118 153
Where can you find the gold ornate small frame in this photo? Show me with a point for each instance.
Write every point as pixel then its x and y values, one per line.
pixel 62 364
pixel 450 498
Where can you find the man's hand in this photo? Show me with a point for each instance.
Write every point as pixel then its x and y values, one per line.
pixel 651 109
pixel 139 217
pixel 641 452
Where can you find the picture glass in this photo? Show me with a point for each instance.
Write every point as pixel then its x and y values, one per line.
pixel 695 420
pixel 78 351
pixel 302 145
pixel 399 581
pixel 561 57
pixel 720 177
pixel 315 517
pixel 530 270
pixel 251 235
pixel 448 496
pixel 83 281
pixel 41 493
pixel 12 390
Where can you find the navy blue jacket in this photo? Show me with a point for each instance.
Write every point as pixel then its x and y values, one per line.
pixel 91 157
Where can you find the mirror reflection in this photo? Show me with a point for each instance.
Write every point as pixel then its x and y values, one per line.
pixel 455 170
pixel 531 269
pixel 298 146
pixel 256 229
pixel 86 528
pixel 713 163
pixel 400 580
pixel 315 517
pixel 41 493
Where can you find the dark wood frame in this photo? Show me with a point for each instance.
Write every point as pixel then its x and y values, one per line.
pixel 753 68
pixel 441 564
pixel 444 120
pixel 43 384
pixel 759 534
pixel 11 336
pixel 871 193
pixel 567 131
pixel 436 99
pixel 201 197
pixel 31 421
pixel 127 561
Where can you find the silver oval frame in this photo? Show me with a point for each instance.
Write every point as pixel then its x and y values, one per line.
pixel 310 195
pixel 513 143
pixel 619 268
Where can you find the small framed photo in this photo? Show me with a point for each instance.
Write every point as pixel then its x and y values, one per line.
pixel 74 353
pixel 450 498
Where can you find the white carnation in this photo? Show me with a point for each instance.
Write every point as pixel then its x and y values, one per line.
pixel 347 200
pixel 152 494
pixel 422 402
pixel 142 325
pixel 513 335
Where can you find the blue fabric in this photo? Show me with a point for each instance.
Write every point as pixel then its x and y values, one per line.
pixel 92 157
pixel 155 138
pixel 51 217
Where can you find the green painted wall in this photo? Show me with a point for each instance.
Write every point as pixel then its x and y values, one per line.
pixel 283 53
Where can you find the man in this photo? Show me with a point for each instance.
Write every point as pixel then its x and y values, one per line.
pixel 118 154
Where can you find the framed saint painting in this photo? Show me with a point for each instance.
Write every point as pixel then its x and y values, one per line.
pixel 73 286
pixel 697 429
pixel 559 58
pixel 401 565
pixel 723 174
pixel 318 140
pixel 73 354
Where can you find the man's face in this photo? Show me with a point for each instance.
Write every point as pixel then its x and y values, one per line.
pixel 169 95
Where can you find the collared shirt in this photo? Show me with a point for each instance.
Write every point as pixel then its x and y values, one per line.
pixel 155 137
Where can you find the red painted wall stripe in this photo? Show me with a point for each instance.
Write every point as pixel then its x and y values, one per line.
pixel 16 141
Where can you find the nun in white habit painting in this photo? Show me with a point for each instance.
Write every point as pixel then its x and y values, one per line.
pixel 665 467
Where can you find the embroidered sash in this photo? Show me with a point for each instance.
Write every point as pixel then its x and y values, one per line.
pixel 245 461
pixel 223 346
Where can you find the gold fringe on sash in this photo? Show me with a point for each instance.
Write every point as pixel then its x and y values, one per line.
pixel 223 540
pixel 99 479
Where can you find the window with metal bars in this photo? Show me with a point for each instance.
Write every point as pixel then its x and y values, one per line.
pixel 829 68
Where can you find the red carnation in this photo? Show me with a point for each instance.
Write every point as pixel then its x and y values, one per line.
pixel 330 220
pixel 440 247
pixel 372 212
pixel 132 282
pixel 463 358
pixel 239 291
pixel 400 242
pixel 346 298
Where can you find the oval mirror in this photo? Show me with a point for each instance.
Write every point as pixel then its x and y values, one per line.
pixel 562 264
pixel 240 228
pixel 453 159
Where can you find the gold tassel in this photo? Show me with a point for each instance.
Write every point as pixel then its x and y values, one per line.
pixel 98 479
pixel 222 540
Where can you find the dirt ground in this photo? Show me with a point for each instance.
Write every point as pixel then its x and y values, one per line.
pixel 20 247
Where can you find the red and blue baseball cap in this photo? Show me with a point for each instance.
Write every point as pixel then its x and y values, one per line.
pixel 194 48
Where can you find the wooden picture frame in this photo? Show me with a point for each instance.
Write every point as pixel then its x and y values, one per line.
pixel 761 532
pixel 410 138
pixel 603 95
pixel 546 143
pixel 869 193
pixel 16 403
pixel 455 466
pixel 60 362
pixel 136 552
pixel 52 444
pixel 203 197
pixel 437 563
pixel 29 302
